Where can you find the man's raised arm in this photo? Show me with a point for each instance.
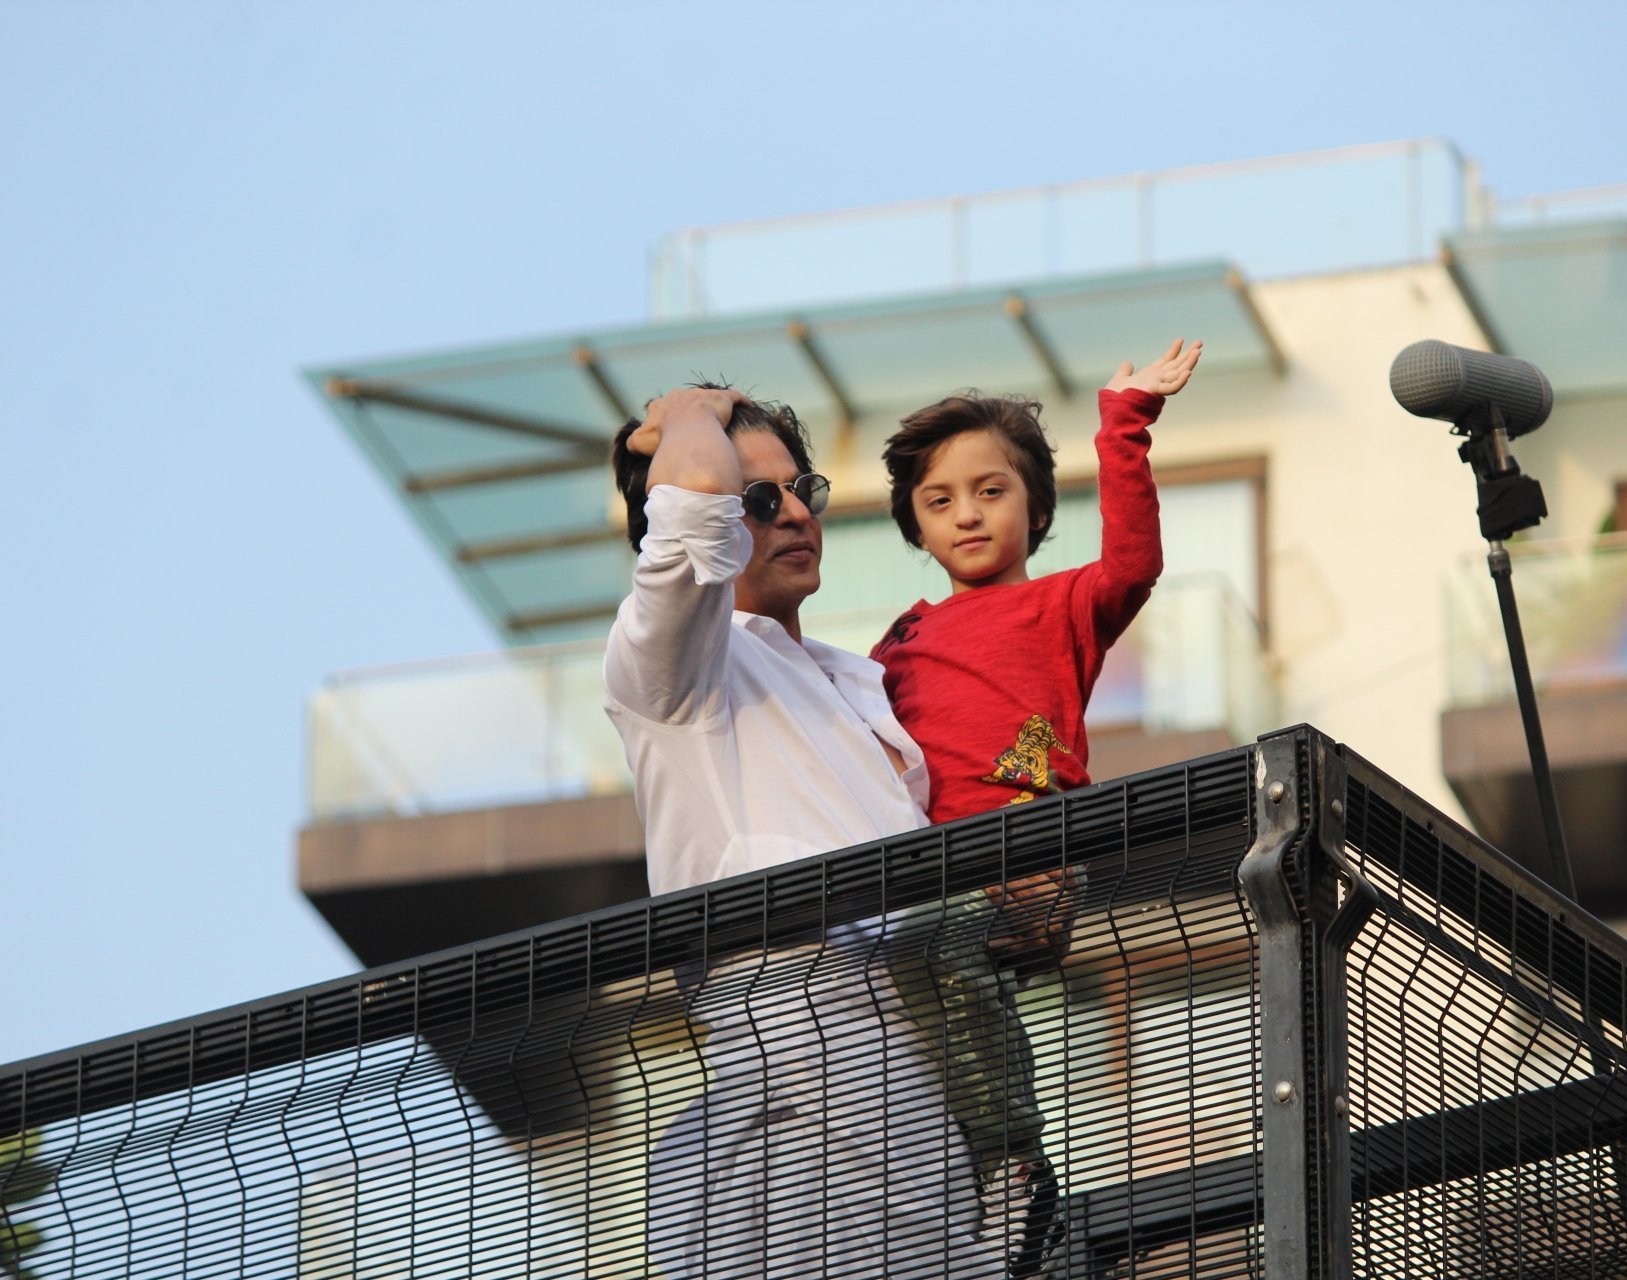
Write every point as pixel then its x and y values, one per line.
pixel 665 657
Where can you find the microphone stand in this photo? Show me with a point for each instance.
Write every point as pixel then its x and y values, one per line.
pixel 1509 502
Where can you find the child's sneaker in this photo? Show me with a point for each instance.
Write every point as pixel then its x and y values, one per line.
pixel 1021 1215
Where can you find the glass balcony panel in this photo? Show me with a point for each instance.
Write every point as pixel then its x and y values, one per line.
pixel 1564 206
pixel 1367 207
pixel 1293 215
pixel 524 725
pixel 1572 598
pixel 1011 239
pixel 1213 529
pixel 527 725
pixel 1100 227
pixel 884 251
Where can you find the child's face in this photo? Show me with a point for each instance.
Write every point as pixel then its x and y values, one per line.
pixel 972 507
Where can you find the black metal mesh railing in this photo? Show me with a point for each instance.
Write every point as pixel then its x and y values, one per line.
pixel 1302 1026
pixel 605 1097
pixel 1488 1078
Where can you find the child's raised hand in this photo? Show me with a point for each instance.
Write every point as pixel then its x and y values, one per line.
pixel 1163 376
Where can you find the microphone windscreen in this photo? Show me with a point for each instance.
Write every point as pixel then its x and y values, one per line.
pixel 1434 379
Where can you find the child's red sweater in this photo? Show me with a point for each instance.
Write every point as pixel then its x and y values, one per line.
pixel 992 683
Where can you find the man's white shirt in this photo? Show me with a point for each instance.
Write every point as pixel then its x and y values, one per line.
pixel 747 748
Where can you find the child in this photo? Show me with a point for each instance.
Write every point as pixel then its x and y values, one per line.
pixel 993 682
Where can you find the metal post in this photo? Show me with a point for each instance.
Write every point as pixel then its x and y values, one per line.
pixel 1284 1222
pixel 1558 855
pixel 1511 501
pixel 1339 924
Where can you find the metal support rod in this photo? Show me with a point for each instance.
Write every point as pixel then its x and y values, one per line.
pixel 499 473
pixel 799 333
pixel 586 359
pixel 363 390
pixel 1558 856
pixel 1016 306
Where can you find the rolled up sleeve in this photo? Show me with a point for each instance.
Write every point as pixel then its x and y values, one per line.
pixel 668 650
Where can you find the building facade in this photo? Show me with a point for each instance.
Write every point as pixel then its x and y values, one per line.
pixel 1323 556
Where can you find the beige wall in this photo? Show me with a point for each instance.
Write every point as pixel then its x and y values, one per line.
pixel 1369 508
pixel 1579 456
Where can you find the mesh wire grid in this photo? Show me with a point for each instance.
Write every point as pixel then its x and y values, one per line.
pixel 595 1098
pixel 1487 1090
pixel 607 1096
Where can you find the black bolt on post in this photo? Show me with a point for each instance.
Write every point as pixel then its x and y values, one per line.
pixel 1509 502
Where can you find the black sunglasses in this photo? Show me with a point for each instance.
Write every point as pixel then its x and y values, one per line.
pixel 762 497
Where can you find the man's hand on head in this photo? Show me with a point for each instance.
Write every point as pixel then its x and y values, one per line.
pixel 685 407
pixel 1161 377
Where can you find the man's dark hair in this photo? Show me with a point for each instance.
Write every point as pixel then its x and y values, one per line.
pixel 633 469
pixel 1014 419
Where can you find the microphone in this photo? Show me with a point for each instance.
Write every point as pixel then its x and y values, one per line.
pixel 1434 379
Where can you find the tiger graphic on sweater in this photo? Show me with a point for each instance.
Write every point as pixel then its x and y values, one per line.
pixel 1027 762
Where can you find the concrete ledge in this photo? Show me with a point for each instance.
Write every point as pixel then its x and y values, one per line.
pixel 362 852
pixel 393 888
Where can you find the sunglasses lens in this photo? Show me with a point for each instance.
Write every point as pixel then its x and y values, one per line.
pixel 761 499
pixel 813 491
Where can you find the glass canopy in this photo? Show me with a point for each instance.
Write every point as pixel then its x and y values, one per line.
pixel 1554 294
pixel 500 452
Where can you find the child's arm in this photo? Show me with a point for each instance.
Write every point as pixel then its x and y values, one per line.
pixel 1132 552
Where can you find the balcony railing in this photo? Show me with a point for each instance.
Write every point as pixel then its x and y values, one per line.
pixel 525 725
pixel 1572 598
pixel 1563 206
pixel 1286 215
pixel 512 726
pixel 1307 1027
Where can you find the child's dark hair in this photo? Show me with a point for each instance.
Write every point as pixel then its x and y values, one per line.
pixel 1015 419
pixel 633 469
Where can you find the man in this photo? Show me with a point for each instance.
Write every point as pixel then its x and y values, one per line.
pixel 822 1146
pixel 749 745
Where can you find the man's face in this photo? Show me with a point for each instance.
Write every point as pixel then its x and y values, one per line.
pixel 784 568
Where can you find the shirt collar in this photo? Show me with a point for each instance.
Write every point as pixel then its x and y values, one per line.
pixel 758 625
pixel 828 658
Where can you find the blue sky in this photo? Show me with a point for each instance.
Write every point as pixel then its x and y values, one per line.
pixel 197 199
